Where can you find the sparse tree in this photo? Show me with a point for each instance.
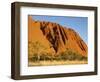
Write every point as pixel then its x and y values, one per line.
pixel 36 48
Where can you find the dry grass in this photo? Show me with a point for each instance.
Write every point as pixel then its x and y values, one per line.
pixel 51 63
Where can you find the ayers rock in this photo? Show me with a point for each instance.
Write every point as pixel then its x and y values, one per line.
pixel 55 37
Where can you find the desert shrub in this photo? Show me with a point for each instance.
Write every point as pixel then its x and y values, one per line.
pixel 34 58
pixel 67 55
pixel 70 55
pixel 63 56
pixel 45 56
pixel 34 50
pixel 57 57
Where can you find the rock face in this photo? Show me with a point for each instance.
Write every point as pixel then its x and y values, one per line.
pixel 55 37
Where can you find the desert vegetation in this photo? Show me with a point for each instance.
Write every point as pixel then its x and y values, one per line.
pixel 38 57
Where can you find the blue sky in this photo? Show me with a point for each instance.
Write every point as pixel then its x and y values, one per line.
pixel 79 24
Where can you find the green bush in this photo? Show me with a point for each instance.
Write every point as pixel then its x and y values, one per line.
pixel 45 57
pixel 34 58
pixel 70 55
